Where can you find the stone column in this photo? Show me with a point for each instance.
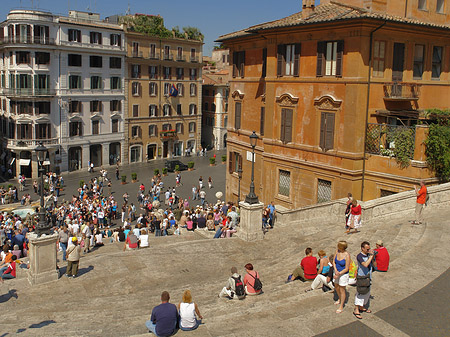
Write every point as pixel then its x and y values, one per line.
pixel 42 256
pixel 251 221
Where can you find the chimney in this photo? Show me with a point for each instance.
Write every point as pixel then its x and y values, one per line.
pixel 307 8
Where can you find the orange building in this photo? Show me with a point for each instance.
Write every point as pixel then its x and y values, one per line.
pixel 335 94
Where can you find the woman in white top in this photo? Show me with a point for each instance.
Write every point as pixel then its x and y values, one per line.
pixel 143 239
pixel 188 310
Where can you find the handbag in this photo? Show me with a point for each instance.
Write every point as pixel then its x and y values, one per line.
pixel 363 284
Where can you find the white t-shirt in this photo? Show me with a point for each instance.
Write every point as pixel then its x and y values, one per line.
pixel 187 315
pixel 144 240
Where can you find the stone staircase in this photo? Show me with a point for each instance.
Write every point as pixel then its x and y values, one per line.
pixel 117 290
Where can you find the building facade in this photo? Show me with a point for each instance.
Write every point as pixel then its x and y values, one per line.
pixel 62 86
pixel 163 84
pixel 334 92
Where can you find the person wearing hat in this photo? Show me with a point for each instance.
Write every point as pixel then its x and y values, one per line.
pixel 381 257
pixel 73 258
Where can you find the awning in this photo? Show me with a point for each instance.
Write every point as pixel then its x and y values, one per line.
pixel 46 162
pixel 24 162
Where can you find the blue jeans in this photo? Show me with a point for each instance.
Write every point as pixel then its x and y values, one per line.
pixel 218 233
pixel 197 323
pixel 152 327
pixel 64 249
pixel 157 232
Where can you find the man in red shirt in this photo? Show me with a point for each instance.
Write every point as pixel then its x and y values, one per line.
pixel 421 193
pixel 307 270
pixel 381 257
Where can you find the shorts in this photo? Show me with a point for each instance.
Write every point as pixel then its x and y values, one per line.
pixel 342 280
pixel 361 300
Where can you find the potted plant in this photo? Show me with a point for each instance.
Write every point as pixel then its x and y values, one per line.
pixel 212 161
pixel 177 168
pixel 224 159
pixel 164 171
pixel 124 179
pixel 133 177
pixel 156 172
pixel 81 183
pixel 190 166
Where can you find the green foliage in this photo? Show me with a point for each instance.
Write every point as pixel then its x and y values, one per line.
pixel 437 150
pixel 191 164
pixel 177 33
pixel 133 176
pixel 155 172
pixel 124 178
pixel 404 141
pixel 212 160
pixel 193 33
pixel 10 186
pixel 224 158
pixel 177 167
pixel 164 170
pixel 81 183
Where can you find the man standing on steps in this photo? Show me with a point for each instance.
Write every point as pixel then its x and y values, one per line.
pixel 163 321
pixel 421 193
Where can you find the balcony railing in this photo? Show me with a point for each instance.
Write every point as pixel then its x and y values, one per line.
pixel 28 92
pixel 168 57
pixel 92 45
pixel 181 58
pixel 153 56
pixel 137 54
pixel 168 134
pixel 194 59
pixel 32 142
pixel 381 139
pixel 398 91
pixel 28 39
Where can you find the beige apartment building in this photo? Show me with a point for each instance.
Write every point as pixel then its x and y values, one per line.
pixel 160 124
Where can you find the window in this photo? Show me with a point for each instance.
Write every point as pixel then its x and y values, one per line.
pixel 135 71
pixel 75 106
pixel 179 113
pixel 166 127
pixel 436 67
pixel 238 63
pixel 286 125
pixel 440 6
pixel 179 128
pixel 42 82
pixel 42 108
pixel 193 74
pixel 237 115
pixel 96 106
pixel 74 60
pixel 422 4
pixel 166 52
pixel 193 89
pixel 95 38
pixel 193 57
pixel 180 73
pixel 288 59
pixel 167 73
pixel 235 162
pixel 115 105
pixel 96 82
pixel 114 125
pixel 192 109
pixel 284 182
pixel 379 55
pixel 323 190
pixel 153 89
pixel 179 53
pixel 115 62
pixel 23 57
pixel 261 122
pixel 167 110
pixel 136 89
pixel 329 58
pixel 135 110
pixel 135 154
pixel 135 131
pixel 166 89
pixel 398 60
pixel 74 35
pixel 205 106
pixel 153 72
pixel 191 127
pixel 115 83
pixel 95 127
pixel 115 40
pixel 23 81
pixel 95 61
pixel 152 51
pixel 153 110
pixel 74 82
pixel 327 131
pixel 42 58
pixel 75 129
pixel 135 49
pixel 152 130
pixel 180 88
pixel 419 50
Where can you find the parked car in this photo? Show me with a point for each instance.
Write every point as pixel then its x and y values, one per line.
pixel 170 165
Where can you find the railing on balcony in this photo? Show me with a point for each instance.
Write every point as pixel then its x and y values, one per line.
pixel 137 54
pixel 181 58
pixel 27 92
pixel 32 142
pixel 167 134
pixel 194 59
pixel 28 39
pixel 381 139
pixel 168 57
pixel 398 91
pixel 92 45
pixel 153 56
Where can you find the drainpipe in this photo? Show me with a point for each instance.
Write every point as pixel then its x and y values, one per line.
pixel 367 108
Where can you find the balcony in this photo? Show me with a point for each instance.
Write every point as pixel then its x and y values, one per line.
pixel 92 45
pixel 181 58
pixel 168 134
pixel 153 56
pixel 27 40
pixel 194 59
pixel 137 54
pixel 398 91
pixel 28 92
pixel 168 57
pixel 31 143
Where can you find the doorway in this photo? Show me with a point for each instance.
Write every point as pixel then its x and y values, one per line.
pixel 75 155
pixel 151 151
pixel 95 152
pixel 165 149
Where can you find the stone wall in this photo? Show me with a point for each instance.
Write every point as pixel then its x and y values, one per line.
pixel 400 204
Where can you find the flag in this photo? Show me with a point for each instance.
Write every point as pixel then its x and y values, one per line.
pixel 173 91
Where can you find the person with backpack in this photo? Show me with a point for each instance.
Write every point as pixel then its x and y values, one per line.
pixel 252 283
pixel 234 290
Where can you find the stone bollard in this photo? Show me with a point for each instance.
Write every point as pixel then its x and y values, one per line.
pixel 42 255
pixel 251 221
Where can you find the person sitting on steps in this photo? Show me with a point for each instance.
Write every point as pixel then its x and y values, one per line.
pixel 307 270
pixel 234 290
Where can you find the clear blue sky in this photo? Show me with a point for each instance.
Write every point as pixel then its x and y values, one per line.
pixel 213 18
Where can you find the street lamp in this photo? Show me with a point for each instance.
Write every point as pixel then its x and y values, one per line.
pixel 251 197
pixel 239 171
pixel 41 153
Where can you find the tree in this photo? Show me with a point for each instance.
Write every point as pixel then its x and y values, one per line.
pixel 193 33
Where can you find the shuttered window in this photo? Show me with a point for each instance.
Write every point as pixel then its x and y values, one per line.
pixel 436 67
pixel 327 131
pixel 237 115
pixel 238 63
pixel 286 125
pixel 288 58
pixel 379 55
pixel 235 162
pixel 264 62
pixel 330 58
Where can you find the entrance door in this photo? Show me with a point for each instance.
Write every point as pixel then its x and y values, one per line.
pixel 25 163
pixel 75 158
pixel 177 148
pixel 96 155
pixel 165 149
pixel 398 62
pixel 151 152
pixel 114 153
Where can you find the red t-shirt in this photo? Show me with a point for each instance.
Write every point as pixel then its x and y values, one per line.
pixel 422 197
pixel 356 210
pixel 382 259
pixel 309 265
pixel 131 245
pixel 249 281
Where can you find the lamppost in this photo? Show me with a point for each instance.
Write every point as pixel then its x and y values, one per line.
pixel 42 227
pixel 251 197
pixel 239 171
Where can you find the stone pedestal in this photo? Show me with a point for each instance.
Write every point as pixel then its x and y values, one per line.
pixel 42 254
pixel 251 221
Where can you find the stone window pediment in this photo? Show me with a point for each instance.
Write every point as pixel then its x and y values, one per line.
pixel 237 95
pixel 327 102
pixel 286 99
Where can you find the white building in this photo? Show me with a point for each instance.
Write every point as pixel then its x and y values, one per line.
pixel 62 85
